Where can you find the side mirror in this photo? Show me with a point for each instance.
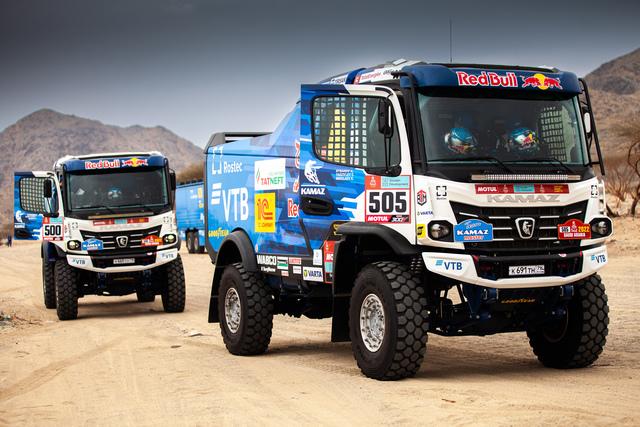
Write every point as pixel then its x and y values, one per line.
pixel 172 178
pixel 385 118
pixel 38 195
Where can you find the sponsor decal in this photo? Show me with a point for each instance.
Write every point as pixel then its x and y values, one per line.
pixel 317 257
pixel 92 245
pixel 487 79
pixel 421 196
pixel 522 188
pixel 310 172
pixel 102 164
pixel 296 161
pixel 267 259
pixel 599 258
pixel 231 167
pixel 473 230
pixel 329 250
pixel 441 192
pixel 449 265
pixel 541 81
pixel 72 260
pixel 386 204
pixel 312 274
pixel 594 191
pixel 216 164
pixel 219 232
pixel 574 229
pixel 52 229
pixel 296 185
pixel 270 174
pixel 525 227
pixel 333 232
pixel 234 200
pixel 295 260
pixel 267 269
pixel 152 240
pixel 265 213
pixel 421 231
pixel 284 273
pixel 296 269
pixel 283 263
pixel 167 255
pixel 427 213
pixel 520 198
pixel 292 209
pixel 313 191
pixel 344 174
pixel 120 221
pixel 134 162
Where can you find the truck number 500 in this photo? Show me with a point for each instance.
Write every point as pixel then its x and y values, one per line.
pixel 387 202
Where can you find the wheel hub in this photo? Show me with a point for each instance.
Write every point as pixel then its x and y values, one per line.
pixel 232 310
pixel 372 322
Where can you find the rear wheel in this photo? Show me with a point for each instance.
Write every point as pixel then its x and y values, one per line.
pixel 173 296
pixel 48 283
pixel 388 321
pixel 577 339
pixel 189 239
pixel 66 279
pixel 197 249
pixel 246 306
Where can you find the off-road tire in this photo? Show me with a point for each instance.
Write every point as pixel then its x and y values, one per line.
pixel 174 293
pixel 197 249
pixel 145 296
pixel 405 318
pixel 584 330
pixel 256 311
pixel 48 283
pixel 66 279
pixel 189 239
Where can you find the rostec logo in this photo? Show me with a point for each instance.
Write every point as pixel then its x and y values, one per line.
pixel 488 79
pixel 216 166
pixel 102 164
pixel 520 198
pixel 449 265
pixel 541 82
pixel 422 197
pixel 265 214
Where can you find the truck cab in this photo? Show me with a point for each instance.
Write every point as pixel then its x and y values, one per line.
pixel 190 215
pixel 108 228
pixel 409 198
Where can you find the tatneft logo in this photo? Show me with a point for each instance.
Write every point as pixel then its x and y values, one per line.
pixel 270 174
pixel 522 198
pixel 449 265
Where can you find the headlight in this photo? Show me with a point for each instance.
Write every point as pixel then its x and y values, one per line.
pixel 601 227
pixel 73 245
pixel 440 230
pixel 169 238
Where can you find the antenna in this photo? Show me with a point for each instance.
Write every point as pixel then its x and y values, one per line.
pixel 450 42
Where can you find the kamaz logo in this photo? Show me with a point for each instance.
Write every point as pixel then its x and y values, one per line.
pixel 522 198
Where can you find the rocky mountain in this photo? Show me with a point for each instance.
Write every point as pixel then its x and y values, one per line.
pixel 615 95
pixel 36 141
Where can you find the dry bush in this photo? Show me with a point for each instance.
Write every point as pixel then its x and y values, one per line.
pixel 631 174
pixel 193 172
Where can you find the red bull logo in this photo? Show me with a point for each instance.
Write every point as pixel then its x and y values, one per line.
pixel 541 82
pixel 488 79
pixel 102 164
pixel 134 162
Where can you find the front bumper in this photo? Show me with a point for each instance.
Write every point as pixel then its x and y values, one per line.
pixel 108 263
pixel 464 268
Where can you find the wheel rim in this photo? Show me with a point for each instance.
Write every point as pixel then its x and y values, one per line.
pixel 372 322
pixel 556 333
pixel 232 310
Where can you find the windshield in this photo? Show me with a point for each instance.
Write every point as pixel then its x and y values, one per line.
pixel 508 129
pixel 117 190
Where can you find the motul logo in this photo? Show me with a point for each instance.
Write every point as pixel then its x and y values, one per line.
pixel 522 198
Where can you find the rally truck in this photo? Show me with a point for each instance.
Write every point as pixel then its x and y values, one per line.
pixel 108 228
pixel 413 198
pixel 190 215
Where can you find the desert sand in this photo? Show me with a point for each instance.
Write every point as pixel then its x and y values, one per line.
pixel 129 363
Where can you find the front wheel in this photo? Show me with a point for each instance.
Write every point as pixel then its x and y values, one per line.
pixel 66 287
pixel 173 295
pixel 246 307
pixel 577 339
pixel 48 283
pixel 388 321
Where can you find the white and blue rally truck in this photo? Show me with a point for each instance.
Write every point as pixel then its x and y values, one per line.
pixel 410 198
pixel 108 228
pixel 190 215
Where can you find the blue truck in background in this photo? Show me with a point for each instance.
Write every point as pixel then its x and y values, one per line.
pixel 413 198
pixel 190 215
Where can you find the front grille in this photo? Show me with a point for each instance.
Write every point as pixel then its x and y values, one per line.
pixel 134 240
pixel 108 261
pixel 505 235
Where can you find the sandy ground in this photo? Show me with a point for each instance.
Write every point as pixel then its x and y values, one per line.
pixel 128 363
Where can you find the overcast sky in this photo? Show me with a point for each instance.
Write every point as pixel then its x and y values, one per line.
pixel 197 66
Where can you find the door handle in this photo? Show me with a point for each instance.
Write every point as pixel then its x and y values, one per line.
pixel 316 206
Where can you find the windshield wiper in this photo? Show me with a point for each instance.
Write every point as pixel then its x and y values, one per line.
pixel 546 159
pixel 107 208
pixel 487 158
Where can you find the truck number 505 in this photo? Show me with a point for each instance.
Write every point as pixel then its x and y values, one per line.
pixel 387 202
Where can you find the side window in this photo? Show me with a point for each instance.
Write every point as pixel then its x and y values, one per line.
pixel 346 131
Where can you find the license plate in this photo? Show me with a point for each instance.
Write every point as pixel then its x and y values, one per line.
pixel 124 261
pixel 525 270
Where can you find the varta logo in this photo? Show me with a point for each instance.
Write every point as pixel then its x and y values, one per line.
pixel 522 198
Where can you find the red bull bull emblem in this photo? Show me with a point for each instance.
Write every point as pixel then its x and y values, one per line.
pixel 541 82
pixel 134 162
pixel 488 79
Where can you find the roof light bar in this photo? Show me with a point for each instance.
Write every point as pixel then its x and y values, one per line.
pixel 524 177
